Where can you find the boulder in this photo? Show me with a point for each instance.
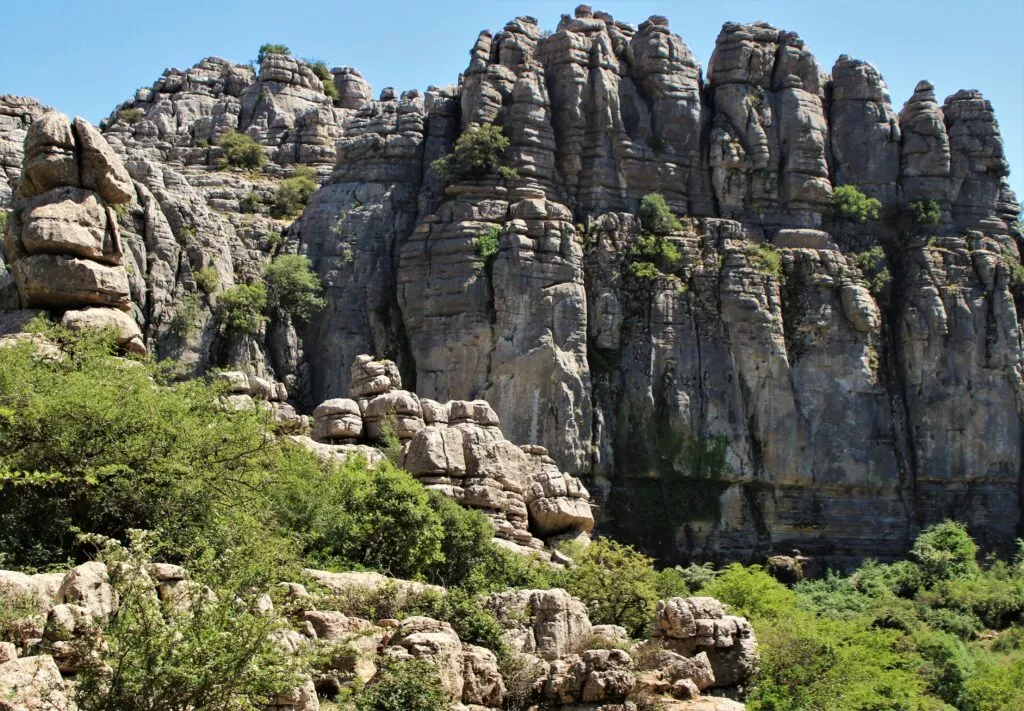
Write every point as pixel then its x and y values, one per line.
pixel 435 641
pixel 32 684
pixel 102 169
pixel 373 377
pixel 482 682
pixel 56 281
pixel 129 336
pixel 547 623
pixel 88 586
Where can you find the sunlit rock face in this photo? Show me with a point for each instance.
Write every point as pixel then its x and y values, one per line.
pixel 778 377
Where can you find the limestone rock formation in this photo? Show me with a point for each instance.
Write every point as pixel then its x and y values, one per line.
pixel 459 450
pixel 792 379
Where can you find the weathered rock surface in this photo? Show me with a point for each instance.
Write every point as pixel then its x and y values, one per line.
pixel 714 410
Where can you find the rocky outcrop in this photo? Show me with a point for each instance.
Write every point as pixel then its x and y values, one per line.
pixel 778 385
pixel 458 449
pixel 63 240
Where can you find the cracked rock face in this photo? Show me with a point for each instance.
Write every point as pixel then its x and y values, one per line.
pixel 791 379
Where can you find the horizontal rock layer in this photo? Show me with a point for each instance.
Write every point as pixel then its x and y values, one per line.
pixel 740 401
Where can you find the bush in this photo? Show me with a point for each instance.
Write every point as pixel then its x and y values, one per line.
pixel 207 279
pixel 478 153
pixel 945 551
pixel 292 287
pixel 404 686
pixel 212 652
pixel 487 246
pixel 924 212
pixel 3 220
pixel 117 453
pixel 185 320
pixel 268 48
pixel 849 203
pixel 293 193
pixel 616 582
pixel 241 308
pixel 656 217
pixel 325 76
pixel 467 616
pixel 130 116
pixel 765 259
pixel 241 151
pixel 872 264
pixel 652 256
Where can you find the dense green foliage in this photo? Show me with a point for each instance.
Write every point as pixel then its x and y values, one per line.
pixel 477 153
pixel 487 245
pixel 653 255
pixel 209 649
pixel 924 212
pixel 293 287
pixel 293 193
pixel 3 220
pixel 101 445
pixel 207 279
pixel 874 265
pixel 241 307
pixel 849 203
pixel 270 48
pixel 404 686
pixel 899 636
pixel 656 217
pixel 241 151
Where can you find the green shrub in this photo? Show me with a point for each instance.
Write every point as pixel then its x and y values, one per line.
pixel 478 153
pixel 185 319
pixel 269 48
pixel 293 288
pixel 487 245
pixel 616 582
pixel 212 652
pixel 3 220
pixel 404 686
pixel 241 307
pixel 653 255
pixel 849 203
pixel 872 264
pixel 207 279
pixel 293 193
pixel 251 202
pixel 765 258
pixel 924 212
pixel 325 76
pixel 119 454
pixel 656 217
pixel 130 116
pixel 241 151
pixel 996 686
pixel 751 592
pixel 683 582
pixel 946 664
pixel 466 614
pixel 945 551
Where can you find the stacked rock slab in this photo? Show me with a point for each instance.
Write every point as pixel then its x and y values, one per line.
pixel 698 625
pixel 458 448
pixel 63 241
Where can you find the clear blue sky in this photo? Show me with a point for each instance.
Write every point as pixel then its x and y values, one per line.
pixel 85 57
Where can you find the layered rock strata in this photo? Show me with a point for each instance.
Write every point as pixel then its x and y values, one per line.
pixel 63 240
pixel 458 449
pixel 791 380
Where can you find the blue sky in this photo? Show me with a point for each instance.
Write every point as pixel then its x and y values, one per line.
pixel 84 58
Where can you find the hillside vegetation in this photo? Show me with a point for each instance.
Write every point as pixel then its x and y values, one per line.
pixel 118 458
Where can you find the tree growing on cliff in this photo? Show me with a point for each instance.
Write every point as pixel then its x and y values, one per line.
pixel 292 286
pixel 656 217
pixel 270 48
pixel 849 203
pixel 241 151
pixel 477 154
pixel 241 308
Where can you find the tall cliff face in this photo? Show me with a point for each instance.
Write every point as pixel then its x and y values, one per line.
pixel 791 380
